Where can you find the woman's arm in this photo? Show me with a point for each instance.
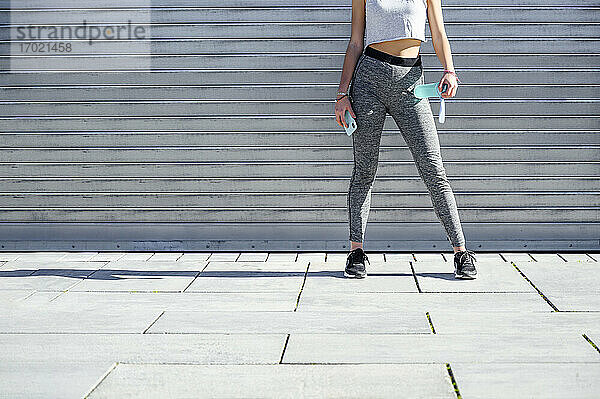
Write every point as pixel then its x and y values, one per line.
pixel 353 52
pixel 355 46
pixel 441 45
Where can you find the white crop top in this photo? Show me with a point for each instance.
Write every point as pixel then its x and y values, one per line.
pixel 394 19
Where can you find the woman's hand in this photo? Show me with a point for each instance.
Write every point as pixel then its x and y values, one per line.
pixel 340 110
pixel 452 82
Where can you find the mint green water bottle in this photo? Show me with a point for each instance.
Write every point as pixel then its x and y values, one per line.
pixel 431 90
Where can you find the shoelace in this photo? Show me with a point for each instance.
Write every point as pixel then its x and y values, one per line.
pixel 468 253
pixel 364 256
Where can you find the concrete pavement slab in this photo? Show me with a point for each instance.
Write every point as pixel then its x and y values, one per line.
pixel 137 256
pixel 135 280
pixel 15 280
pixel 392 257
pixel 517 257
pixel 8 256
pixel 547 257
pixel 7 297
pixel 41 255
pixel 141 348
pixel 577 257
pixel 335 282
pixel 497 323
pixel 276 381
pixel 291 322
pixel 575 301
pixel 224 256
pixel 34 265
pixel 142 276
pixel 50 379
pixel 492 276
pixel 224 269
pixel 533 380
pixel 438 348
pixel 311 257
pixel 107 256
pixel 249 282
pixel 22 319
pixel 276 257
pixel 200 301
pixel 424 302
pixel 253 257
pixel 431 257
pixel 165 256
pixel 566 288
pixel 157 265
pixel 250 277
pixel 194 256
pixel 78 256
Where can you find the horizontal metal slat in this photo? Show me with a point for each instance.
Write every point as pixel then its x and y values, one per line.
pixel 388 138
pixel 286 14
pixel 229 69
pixel 457 106
pixel 415 215
pixel 453 30
pixel 491 45
pixel 284 123
pixel 79 4
pixel 266 153
pixel 292 199
pixel 323 170
pixel 285 184
pixel 316 95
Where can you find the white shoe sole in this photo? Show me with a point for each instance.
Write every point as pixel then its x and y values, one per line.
pixel 354 275
pixel 464 276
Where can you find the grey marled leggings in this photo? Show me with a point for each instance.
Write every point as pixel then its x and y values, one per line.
pixel 379 87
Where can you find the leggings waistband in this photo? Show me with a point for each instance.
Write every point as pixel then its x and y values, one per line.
pixel 393 59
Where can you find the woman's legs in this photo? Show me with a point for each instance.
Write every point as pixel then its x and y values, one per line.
pixel 417 125
pixel 370 115
pixel 377 88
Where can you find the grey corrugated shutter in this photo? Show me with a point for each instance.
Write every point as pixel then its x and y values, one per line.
pixel 229 142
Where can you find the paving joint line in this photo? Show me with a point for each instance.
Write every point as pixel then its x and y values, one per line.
pixel 155 320
pixel 453 380
pixel 588 339
pixel 302 287
pixel 415 276
pixel 102 378
pixel 536 288
pixel 195 277
pixel 284 348
pixel 430 322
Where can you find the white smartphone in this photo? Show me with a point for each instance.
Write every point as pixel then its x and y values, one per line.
pixel 350 122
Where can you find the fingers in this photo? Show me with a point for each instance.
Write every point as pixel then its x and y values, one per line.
pixel 452 87
pixel 341 119
pixel 340 115
pixel 338 119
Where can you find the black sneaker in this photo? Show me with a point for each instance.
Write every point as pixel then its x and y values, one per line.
pixel 463 265
pixel 355 264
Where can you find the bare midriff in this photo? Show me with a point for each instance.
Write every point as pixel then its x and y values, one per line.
pixel 408 48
